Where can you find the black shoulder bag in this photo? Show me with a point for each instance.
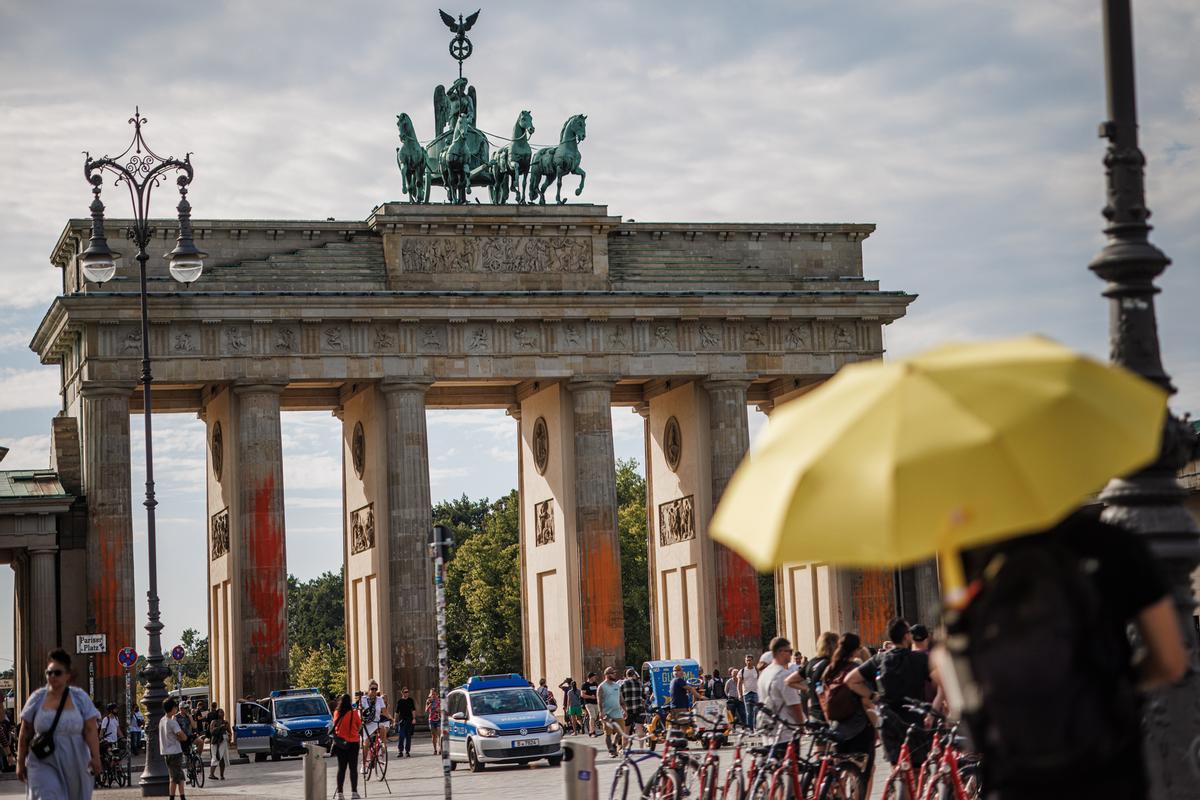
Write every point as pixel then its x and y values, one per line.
pixel 43 744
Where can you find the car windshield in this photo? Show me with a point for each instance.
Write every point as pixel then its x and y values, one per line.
pixel 505 701
pixel 300 707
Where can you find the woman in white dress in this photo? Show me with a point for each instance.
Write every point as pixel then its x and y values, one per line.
pixel 67 773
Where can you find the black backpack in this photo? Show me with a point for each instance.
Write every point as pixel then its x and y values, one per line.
pixel 1056 695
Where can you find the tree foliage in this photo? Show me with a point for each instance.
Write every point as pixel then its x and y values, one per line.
pixel 323 668
pixel 317 611
pixel 483 586
pixel 635 590
pixel 317 632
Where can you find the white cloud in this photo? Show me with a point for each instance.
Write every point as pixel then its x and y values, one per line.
pixel 29 388
pixel 27 452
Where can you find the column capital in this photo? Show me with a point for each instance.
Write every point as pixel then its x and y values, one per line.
pixel 43 550
pixel 514 411
pixel 405 383
pixel 766 407
pixel 591 382
pixel 259 385
pixel 642 409
pixel 107 388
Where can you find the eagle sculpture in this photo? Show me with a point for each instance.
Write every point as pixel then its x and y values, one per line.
pixel 461 26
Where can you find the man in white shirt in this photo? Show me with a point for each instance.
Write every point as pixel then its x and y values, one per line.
pixel 170 743
pixel 748 689
pixel 110 726
pixel 782 700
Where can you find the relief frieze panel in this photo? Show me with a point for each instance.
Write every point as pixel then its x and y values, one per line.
pixel 490 337
pixel 543 516
pixel 497 254
pixel 362 529
pixel 676 521
pixel 219 533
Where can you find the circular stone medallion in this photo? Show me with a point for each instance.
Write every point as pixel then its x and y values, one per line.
pixel 541 445
pixel 217 445
pixel 358 449
pixel 672 443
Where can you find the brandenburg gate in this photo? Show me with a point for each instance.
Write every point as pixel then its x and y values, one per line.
pixel 553 313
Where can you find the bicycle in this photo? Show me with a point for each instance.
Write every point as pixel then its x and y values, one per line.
pixel 629 769
pixel 905 782
pixel 113 770
pixel 374 753
pixel 949 773
pixel 677 773
pixel 194 767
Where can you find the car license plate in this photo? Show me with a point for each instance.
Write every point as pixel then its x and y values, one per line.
pixel 525 743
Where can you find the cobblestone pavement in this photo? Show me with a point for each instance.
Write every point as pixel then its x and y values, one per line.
pixel 416 777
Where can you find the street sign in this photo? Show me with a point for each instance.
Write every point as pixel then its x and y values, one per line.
pixel 89 644
pixel 127 657
pixel 6 683
pixel 177 652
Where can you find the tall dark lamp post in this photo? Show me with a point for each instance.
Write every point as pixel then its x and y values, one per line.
pixel 1149 502
pixel 140 169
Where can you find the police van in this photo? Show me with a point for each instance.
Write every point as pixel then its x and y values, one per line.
pixel 280 725
pixel 499 719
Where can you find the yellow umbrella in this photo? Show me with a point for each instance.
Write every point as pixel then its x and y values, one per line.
pixel 892 462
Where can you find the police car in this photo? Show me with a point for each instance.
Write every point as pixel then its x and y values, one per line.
pixel 500 719
pixel 281 724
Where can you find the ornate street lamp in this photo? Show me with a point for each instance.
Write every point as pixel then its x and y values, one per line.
pixel 140 169
pixel 1149 502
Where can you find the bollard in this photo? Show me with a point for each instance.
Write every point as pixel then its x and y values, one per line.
pixel 314 772
pixel 579 771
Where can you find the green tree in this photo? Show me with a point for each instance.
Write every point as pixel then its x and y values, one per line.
pixel 766 607
pixel 483 595
pixel 317 611
pixel 635 591
pixel 323 668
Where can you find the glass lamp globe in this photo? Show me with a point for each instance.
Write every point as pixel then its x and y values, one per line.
pixel 187 268
pixel 98 264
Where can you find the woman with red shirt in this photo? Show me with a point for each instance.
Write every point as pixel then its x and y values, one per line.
pixel 347 723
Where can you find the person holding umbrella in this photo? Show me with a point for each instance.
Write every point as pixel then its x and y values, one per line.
pixel 984 451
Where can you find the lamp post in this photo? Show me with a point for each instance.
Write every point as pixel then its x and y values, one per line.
pixel 1150 501
pixel 141 170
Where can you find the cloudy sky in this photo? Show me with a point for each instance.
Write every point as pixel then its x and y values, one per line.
pixel 964 129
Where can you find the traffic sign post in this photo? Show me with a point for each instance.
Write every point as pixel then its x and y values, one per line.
pixel 91 645
pixel 178 653
pixel 127 657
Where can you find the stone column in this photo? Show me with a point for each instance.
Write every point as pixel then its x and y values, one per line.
pixel 43 605
pixel 602 613
pixel 263 553
pixel 740 629
pixel 413 625
pixel 110 594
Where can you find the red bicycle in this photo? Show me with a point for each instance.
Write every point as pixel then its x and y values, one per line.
pixel 950 773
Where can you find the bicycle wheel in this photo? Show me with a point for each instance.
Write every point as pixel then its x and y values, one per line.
pixel 895 789
pixel 368 761
pixel 710 776
pixel 845 783
pixel 665 784
pixel 620 784
pixel 735 785
pixel 942 787
pixel 783 786
pixel 381 761
pixel 198 765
